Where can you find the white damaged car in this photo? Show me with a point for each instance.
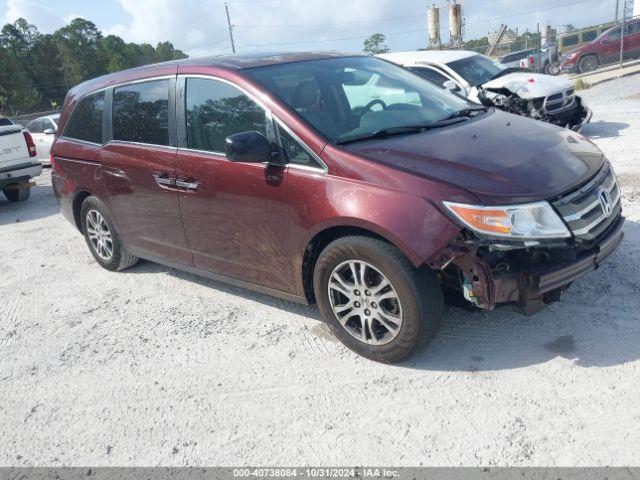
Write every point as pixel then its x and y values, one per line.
pixel 480 79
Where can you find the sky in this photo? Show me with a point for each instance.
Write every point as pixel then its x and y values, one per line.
pixel 199 26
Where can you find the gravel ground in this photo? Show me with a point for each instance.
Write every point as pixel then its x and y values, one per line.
pixel 158 367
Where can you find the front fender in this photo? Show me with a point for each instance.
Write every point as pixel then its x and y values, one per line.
pixel 413 224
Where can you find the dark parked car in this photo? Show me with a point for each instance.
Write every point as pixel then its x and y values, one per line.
pixel 342 180
pixel 605 49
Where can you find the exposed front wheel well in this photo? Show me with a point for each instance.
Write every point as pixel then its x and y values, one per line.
pixel 318 243
pixel 77 207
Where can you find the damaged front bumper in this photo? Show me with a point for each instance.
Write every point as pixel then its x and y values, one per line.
pixel 528 279
pixel 574 117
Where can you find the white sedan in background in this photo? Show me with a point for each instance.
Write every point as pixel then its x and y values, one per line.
pixel 43 130
pixel 482 80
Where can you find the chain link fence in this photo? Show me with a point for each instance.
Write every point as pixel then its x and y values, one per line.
pixel 574 51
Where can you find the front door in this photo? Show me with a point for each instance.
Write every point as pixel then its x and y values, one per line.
pixel 139 170
pixel 610 47
pixel 235 214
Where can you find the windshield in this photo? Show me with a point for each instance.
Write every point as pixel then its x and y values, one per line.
pixel 356 96
pixel 476 69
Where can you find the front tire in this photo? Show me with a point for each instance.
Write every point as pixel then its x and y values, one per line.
pixel 16 194
pixel 102 238
pixel 374 300
pixel 588 64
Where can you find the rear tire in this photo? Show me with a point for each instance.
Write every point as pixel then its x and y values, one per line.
pixel 385 332
pixel 552 68
pixel 588 63
pixel 15 194
pixel 102 238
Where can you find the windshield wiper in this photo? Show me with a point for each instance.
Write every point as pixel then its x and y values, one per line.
pixel 465 112
pixel 406 129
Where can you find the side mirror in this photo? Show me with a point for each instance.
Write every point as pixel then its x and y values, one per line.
pixel 248 147
pixel 49 131
pixel 451 86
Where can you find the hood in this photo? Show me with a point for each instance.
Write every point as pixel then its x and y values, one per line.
pixel 499 157
pixel 529 85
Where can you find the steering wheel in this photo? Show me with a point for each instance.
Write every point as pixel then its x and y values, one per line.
pixel 371 104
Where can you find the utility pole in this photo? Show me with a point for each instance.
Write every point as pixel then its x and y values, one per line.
pixel 626 14
pixel 233 45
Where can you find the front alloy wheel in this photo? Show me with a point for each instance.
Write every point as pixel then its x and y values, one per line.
pixel 375 300
pixel 365 302
pixel 588 63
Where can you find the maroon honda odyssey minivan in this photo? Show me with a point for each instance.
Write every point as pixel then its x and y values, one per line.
pixel 337 179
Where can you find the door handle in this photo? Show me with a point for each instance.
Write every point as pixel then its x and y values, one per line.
pixel 165 181
pixel 192 185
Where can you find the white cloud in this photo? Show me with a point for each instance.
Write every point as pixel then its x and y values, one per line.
pixel 72 16
pixel 36 13
pixel 200 26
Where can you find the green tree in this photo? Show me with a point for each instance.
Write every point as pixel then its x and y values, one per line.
pixel 165 52
pixel 78 48
pixel 36 70
pixel 375 44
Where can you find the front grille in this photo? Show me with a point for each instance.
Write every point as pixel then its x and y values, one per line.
pixel 559 101
pixel 589 210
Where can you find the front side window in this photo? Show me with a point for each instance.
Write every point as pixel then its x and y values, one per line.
pixel 215 110
pixel 476 69
pixel 141 113
pixel 295 152
pixel 86 119
pixel 354 96
pixel 589 35
pixel 615 34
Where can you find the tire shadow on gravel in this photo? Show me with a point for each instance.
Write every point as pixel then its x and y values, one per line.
pixel 594 324
pixel 600 129
pixel 309 311
pixel 42 203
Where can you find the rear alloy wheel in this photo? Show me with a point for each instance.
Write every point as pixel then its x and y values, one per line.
pixel 552 68
pixel 99 235
pixel 103 240
pixel 374 300
pixel 15 193
pixel 588 64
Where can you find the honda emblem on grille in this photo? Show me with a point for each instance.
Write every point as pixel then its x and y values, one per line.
pixel 605 202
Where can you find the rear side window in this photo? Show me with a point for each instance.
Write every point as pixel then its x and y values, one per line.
pixel 570 40
pixel 589 35
pixel 216 110
pixel 37 126
pixel 430 74
pixel 141 113
pixel 5 122
pixel 86 119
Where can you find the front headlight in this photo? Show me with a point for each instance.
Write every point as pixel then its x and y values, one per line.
pixel 527 221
